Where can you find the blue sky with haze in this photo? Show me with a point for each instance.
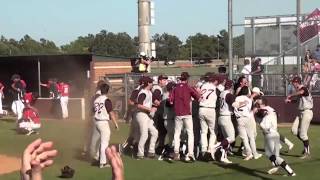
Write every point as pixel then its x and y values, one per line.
pixel 64 20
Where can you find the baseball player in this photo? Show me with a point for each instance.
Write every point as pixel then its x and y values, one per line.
pixel 207 113
pixel 144 117
pixel 181 98
pixel 226 111
pixel 133 138
pixel 159 94
pixel 242 109
pixel 301 123
pixel 268 125
pixel 103 113
pixel 63 89
pixel 169 114
pixel 93 131
pixel 30 121
pixel 19 89
pixel 1 97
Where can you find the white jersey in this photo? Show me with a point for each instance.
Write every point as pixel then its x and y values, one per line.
pixel 148 100
pixel 269 121
pixel 245 110
pixel 225 110
pixel 208 95
pixel 306 102
pixel 100 111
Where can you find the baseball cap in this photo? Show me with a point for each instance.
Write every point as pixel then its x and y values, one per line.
pixel 296 80
pixel 161 77
pixel 228 84
pixel 147 79
pixel 257 90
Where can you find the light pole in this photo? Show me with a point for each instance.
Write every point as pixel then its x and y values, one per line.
pixel 191 52
pixel 230 38
pixel 218 46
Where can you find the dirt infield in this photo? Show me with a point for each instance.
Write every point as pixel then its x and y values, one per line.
pixel 8 164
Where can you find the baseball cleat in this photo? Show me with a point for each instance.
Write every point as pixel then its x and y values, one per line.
pixel 258 156
pixel 190 158
pixel 176 157
pixel 226 161
pixel 292 174
pixel 139 157
pixel 104 165
pixel 305 156
pixel 151 155
pixel 273 170
pixel 249 157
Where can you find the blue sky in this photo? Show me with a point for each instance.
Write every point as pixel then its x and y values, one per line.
pixel 64 20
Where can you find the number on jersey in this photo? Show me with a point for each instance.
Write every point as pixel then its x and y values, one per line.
pixel 98 107
pixel 205 93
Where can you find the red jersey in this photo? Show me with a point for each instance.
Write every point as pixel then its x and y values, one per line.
pixel 31 114
pixel 64 89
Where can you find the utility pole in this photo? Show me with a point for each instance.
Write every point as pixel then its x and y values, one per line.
pixel 218 46
pixel 230 55
pixel 298 36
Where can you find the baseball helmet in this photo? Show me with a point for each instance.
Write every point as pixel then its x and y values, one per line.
pixel 296 79
pixel 142 54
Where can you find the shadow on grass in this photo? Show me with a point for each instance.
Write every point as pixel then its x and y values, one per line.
pixel 236 167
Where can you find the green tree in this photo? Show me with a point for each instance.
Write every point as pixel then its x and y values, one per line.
pixel 203 46
pixel 167 46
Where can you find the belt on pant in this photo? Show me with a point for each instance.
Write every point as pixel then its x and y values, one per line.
pixel 100 119
pixel 207 107
pixel 306 109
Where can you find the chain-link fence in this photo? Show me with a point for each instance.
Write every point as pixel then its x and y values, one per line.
pixel 274 40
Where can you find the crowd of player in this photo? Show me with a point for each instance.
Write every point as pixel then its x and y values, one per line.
pixel 202 121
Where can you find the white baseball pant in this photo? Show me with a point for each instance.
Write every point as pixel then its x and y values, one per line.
pixel 247 135
pixel 227 127
pixel 104 131
pixel 64 106
pixel 187 122
pixel 301 124
pixel 207 122
pixel 94 145
pixel 17 108
pixel 146 125
pixel 272 146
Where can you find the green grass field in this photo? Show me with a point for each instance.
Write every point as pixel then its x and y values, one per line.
pixel 68 137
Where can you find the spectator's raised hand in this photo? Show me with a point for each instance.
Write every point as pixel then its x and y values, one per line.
pixel 115 162
pixel 36 156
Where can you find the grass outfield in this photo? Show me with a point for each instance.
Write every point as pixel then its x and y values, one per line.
pixel 68 138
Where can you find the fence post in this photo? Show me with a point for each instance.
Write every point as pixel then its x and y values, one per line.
pixel 126 93
pixel 284 75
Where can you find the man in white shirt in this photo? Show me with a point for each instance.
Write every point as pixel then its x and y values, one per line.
pixel 247 71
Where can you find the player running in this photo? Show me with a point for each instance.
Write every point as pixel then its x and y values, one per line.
pixel 272 144
pixel 19 89
pixel 301 123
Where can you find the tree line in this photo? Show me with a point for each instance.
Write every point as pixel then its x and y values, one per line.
pixel 168 46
